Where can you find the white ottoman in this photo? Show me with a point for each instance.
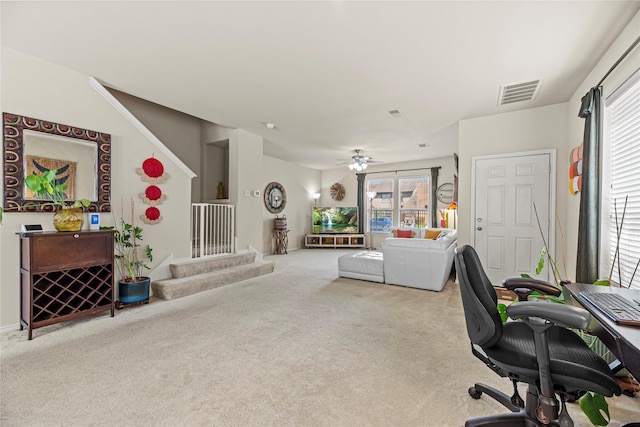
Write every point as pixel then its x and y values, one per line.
pixel 365 265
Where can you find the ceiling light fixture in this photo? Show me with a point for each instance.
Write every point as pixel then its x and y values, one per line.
pixel 270 125
pixel 359 162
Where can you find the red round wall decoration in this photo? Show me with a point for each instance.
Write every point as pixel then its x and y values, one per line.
pixel 152 171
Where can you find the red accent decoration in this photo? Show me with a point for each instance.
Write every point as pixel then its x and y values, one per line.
pixel 153 192
pixel 152 213
pixel 404 233
pixel 153 167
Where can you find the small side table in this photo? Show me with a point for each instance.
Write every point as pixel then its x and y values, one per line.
pixel 282 240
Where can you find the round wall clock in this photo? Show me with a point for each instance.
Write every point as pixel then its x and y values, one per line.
pixel 444 193
pixel 337 191
pixel 275 198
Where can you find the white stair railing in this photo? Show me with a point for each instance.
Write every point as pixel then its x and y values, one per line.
pixel 212 229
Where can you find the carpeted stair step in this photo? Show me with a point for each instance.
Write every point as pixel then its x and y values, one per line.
pixel 204 265
pixel 169 289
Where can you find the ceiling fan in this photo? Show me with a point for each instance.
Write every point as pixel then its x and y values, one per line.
pixel 358 162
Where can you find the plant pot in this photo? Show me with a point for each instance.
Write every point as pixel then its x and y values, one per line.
pixel 132 292
pixel 68 219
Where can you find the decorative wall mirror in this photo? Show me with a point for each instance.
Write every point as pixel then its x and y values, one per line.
pixel 82 157
pixel 275 198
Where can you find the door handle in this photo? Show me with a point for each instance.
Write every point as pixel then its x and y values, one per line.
pixel 479 229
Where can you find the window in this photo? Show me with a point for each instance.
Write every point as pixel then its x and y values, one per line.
pixel 622 160
pixel 411 209
pixel 414 202
pixel 381 206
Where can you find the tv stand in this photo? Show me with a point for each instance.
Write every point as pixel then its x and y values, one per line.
pixel 349 240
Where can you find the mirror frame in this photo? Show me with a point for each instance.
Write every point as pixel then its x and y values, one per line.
pixel 14 126
pixel 267 197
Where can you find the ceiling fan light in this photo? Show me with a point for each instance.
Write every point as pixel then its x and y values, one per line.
pixel 363 165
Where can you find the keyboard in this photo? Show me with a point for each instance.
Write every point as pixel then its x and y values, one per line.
pixel 618 308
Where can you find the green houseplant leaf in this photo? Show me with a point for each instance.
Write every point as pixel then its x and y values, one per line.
pixel 502 310
pixel 595 407
pixel 46 186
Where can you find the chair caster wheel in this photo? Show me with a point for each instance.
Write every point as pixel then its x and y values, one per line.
pixel 473 392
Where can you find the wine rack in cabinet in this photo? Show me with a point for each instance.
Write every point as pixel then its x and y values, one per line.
pixel 65 276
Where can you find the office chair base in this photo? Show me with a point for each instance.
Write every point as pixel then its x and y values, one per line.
pixel 521 417
pixel 502 398
pixel 514 419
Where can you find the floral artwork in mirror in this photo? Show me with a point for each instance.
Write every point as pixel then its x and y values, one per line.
pixel 275 198
pixel 82 158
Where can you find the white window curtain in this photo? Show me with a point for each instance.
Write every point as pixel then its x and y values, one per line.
pixel 622 206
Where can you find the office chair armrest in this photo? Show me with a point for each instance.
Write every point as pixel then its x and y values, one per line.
pixel 524 286
pixel 564 315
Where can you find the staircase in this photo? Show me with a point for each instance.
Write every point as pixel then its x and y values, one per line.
pixel 197 275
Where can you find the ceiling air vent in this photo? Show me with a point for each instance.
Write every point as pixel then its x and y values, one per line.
pixel 518 92
pixel 394 113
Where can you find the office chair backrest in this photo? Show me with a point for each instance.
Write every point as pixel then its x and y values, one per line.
pixel 479 300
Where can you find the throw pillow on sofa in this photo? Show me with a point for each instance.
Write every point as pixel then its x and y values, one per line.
pixel 404 233
pixel 432 234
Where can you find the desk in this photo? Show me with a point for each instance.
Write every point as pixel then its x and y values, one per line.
pixel 623 341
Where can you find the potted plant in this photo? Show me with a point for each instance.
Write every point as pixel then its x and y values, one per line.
pixel 131 262
pixel 70 214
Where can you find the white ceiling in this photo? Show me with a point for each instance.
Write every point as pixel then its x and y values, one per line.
pixel 326 72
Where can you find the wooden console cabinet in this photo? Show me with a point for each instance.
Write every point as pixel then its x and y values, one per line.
pixel 64 276
pixel 334 240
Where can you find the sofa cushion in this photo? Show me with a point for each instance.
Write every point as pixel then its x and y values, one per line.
pixel 432 234
pixel 445 239
pixel 404 233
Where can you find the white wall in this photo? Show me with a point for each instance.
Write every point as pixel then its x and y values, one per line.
pixel 576 124
pixel 42 90
pixel 519 131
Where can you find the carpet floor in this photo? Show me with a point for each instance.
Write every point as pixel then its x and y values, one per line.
pixel 298 347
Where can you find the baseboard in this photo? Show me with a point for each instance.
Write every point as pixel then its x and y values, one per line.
pixel 14 327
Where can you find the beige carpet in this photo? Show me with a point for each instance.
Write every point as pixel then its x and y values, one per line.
pixel 299 347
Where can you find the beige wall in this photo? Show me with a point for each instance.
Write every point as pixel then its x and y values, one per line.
pixel 576 124
pixel 343 175
pixel 299 183
pixel 178 131
pixel 245 177
pixel 39 89
pixel 535 129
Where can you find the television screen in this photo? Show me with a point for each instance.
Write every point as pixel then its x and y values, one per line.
pixel 335 220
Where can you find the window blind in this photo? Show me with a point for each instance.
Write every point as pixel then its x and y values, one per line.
pixel 624 169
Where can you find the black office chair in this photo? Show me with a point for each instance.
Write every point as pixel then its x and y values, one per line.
pixel 539 350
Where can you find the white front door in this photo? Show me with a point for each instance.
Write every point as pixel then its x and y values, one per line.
pixel 505 233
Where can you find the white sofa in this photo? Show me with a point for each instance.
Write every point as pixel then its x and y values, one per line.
pixel 418 262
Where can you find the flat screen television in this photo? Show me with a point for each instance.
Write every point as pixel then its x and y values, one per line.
pixel 335 220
